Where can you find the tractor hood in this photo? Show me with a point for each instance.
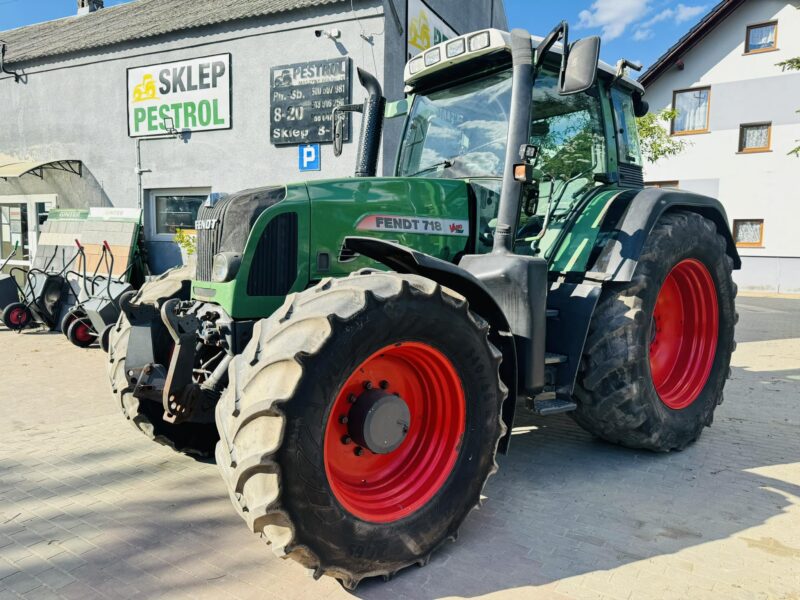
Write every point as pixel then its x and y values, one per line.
pixel 430 215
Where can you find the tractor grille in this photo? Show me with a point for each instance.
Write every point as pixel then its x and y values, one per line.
pixel 274 267
pixel 209 239
pixel 225 226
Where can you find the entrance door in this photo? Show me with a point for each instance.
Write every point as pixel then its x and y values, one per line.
pixel 20 219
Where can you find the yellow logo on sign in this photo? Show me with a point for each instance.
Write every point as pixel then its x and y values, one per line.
pixel 419 32
pixel 145 90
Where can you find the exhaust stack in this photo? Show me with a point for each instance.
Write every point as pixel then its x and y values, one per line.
pixel 369 144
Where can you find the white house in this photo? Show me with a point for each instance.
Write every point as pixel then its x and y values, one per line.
pixel 737 111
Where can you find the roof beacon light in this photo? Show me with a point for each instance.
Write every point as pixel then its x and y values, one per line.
pixel 433 56
pixel 456 47
pixel 479 41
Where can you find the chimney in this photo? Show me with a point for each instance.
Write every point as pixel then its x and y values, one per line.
pixel 87 6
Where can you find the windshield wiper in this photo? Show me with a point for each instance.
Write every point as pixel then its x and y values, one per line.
pixel 445 164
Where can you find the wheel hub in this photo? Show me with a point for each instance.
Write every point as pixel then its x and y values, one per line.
pixel 378 421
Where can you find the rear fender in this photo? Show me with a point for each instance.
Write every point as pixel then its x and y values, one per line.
pixel 405 260
pixel 618 259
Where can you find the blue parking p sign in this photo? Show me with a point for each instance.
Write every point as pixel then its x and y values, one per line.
pixel 309 158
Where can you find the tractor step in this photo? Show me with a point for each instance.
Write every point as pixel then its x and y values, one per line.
pixel 550 358
pixel 551 406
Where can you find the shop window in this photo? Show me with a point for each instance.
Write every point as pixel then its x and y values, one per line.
pixel 761 38
pixel 693 108
pixel 755 137
pixel 748 233
pixel 171 210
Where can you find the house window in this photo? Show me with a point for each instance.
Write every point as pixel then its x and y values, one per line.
pixel 693 108
pixel 755 137
pixel 662 184
pixel 761 38
pixel 748 233
pixel 171 210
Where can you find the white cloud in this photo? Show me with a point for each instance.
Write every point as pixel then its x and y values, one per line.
pixel 685 13
pixel 613 16
pixel 679 14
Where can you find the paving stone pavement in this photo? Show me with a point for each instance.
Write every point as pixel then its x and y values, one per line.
pixel 91 509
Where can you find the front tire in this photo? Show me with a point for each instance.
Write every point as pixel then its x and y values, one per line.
pixel 659 348
pixel 308 470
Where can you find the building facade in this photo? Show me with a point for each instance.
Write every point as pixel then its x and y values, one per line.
pixel 737 113
pixel 158 104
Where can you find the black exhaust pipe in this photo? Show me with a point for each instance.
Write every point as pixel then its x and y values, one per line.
pixel 371 126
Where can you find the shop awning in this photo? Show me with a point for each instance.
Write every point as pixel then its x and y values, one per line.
pixel 11 166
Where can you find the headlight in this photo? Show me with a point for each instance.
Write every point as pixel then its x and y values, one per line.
pixel 416 65
pixel 455 48
pixel 479 41
pixel 224 266
pixel 433 56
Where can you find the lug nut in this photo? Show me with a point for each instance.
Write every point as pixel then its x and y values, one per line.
pixel 367 385
pixel 343 420
pixel 358 451
pixel 384 384
pixel 352 398
pixel 346 439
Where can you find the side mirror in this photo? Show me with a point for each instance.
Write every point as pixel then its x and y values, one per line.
pixel 580 72
pixel 338 119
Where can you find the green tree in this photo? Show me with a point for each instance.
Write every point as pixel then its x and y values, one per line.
pixel 793 64
pixel 655 140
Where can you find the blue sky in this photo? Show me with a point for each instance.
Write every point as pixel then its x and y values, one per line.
pixel 635 29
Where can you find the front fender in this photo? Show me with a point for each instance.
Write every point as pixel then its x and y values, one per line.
pixel 619 257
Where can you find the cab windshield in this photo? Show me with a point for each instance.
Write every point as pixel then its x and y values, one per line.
pixel 458 132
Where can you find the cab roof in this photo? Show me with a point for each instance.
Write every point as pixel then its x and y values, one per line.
pixel 464 48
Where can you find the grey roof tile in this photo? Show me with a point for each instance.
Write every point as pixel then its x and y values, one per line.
pixel 134 21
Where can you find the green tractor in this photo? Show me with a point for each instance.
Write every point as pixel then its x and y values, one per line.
pixel 361 345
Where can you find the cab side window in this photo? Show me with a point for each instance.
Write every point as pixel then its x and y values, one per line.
pixel 568 130
pixel 625 125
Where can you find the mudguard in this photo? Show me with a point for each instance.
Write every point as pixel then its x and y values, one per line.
pixel 618 259
pixel 405 260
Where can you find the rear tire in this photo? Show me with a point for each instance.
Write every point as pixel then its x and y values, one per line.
pixel 628 392
pixel 198 439
pixel 292 469
pixel 17 316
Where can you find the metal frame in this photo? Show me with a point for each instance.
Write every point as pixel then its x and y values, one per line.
pixel 70 166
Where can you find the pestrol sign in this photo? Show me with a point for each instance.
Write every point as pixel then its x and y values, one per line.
pixel 195 94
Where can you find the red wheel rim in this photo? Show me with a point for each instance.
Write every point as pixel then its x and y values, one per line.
pixel 17 316
pixel 382 488
pixel 82 333
pixel 684 335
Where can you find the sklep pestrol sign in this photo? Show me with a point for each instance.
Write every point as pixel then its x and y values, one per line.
pixel 195 94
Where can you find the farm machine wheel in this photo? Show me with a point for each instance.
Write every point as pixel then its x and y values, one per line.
pixel 361 423
pixel 190 438
pixel 17 316
pixel 80 334
pixel 659 348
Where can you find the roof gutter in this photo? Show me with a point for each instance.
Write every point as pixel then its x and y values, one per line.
pixel 3 63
